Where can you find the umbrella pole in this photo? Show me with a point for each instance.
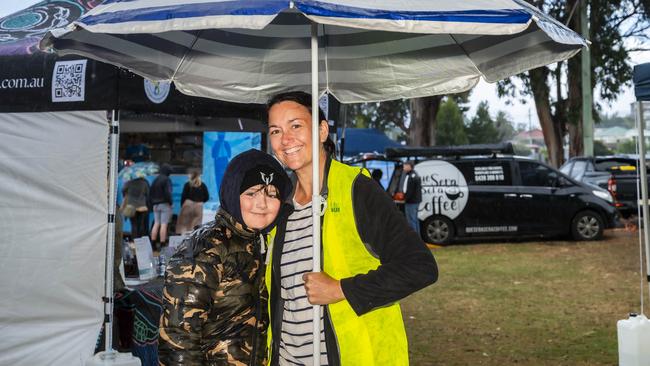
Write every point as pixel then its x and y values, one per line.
pixel 110 244
pixel 315 200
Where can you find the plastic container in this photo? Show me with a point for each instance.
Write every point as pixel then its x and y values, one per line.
pixel 113 359
pixel 634 341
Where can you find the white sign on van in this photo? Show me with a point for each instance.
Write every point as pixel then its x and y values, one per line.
pixel 444 189
pixel 488 174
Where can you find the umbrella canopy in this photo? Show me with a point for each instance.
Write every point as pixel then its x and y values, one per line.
pixel 245 51
pixel 138 170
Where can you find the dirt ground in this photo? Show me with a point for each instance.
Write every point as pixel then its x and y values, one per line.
pixel 529 303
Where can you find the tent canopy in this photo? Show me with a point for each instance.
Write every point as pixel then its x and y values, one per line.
pixel 642 81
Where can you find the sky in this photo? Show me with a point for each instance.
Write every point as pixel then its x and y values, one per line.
pixel 518 112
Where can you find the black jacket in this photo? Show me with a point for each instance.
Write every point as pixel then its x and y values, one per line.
pixel 413 193
pixel 407 265
pixel 161 188
pixel 196 194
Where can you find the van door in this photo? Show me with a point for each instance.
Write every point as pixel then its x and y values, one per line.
pixel 545 207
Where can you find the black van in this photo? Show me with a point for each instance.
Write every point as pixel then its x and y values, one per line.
pixel 481 191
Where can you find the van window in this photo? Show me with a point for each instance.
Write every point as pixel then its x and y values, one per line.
pixel 536 175
pixel 486 173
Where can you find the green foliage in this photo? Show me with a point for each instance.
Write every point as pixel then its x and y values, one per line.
pixel 384 116
pixel 504 126
pixel 601 149
pixel 628 147
pixel 521 149
pixel 615 120
pixel 451 130
pixel 481 129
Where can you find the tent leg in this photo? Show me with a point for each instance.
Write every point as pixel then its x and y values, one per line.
pixel 114 138
pixel 644 186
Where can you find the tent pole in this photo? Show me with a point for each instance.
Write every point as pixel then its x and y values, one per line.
pixel 110 242
pixel 644 186
pixel 315 200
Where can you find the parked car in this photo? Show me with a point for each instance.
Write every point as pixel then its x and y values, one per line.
pixel 483 191
pixel 617 174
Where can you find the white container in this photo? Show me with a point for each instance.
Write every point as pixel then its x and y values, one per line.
pixel 634 341
pixel 113 359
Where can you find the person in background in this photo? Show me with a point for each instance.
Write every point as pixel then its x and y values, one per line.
pixel 214 303
pixel 195 193
pixel 136 193
pixel 137 151
pixel 412 188
pixel 370 257
pixel 161 199
pixel 376 175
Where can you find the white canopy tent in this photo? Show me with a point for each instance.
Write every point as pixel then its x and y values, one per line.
pixel 54 225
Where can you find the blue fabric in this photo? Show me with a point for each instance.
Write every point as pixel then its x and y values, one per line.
pixel 266 7
pixel 641 80
pixel 507 16
pixel 366 140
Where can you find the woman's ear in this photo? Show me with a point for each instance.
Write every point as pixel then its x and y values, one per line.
pixel 323 130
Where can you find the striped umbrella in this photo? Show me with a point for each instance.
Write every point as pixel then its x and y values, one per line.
pixel 245 51
pixel 357 50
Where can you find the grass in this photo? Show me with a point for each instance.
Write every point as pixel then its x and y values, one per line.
pixel 539 303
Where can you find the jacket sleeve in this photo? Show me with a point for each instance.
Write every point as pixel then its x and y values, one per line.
pixel 168 192
pixel 186 304
pixel 407 265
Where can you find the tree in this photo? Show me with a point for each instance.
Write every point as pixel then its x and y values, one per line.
pixel 556 89
pixel 382 116
pixel 451 129
pixel 481 129
pixel 601 149
pixel 504 126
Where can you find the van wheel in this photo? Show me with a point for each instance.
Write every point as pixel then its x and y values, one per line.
pixel 438 230
pixel 587 225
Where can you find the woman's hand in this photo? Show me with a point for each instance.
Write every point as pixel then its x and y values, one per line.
pixel 322 289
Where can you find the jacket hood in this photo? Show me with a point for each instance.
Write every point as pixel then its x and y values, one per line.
pixel 165 169
pixel 234 176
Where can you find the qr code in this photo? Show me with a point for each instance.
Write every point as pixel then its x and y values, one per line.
pixel 69 81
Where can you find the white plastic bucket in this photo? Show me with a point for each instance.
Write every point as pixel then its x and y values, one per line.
pixel 634 341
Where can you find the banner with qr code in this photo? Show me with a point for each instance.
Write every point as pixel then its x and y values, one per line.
pixel 69 81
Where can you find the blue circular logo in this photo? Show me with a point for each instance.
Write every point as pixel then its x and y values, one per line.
pixel 157 91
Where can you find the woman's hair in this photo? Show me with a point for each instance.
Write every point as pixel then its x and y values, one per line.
pixel 195 178
pixel 303 99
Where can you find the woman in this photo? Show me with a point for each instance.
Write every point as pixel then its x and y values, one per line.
pixel 195 193
pixel 371 258
pixel 136 194
pixel 212 303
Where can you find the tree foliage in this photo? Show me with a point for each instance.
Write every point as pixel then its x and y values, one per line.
pixel 482 129
pixel 451 129
pixel 556 89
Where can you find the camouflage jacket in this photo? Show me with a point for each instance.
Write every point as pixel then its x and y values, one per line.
pixel 214 301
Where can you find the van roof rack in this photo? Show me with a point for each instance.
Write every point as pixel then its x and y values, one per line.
pixel 458 150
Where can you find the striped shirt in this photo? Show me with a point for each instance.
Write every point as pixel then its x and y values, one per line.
pixel 296 338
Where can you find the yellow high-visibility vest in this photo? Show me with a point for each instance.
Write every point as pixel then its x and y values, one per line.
pixel 377 337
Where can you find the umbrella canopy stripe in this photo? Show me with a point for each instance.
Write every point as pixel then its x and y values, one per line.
pixel 194 10
pixel 324 9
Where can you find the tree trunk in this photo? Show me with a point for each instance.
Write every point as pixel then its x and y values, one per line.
pixel 422 129
pixel 552 130
pixel 573 114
